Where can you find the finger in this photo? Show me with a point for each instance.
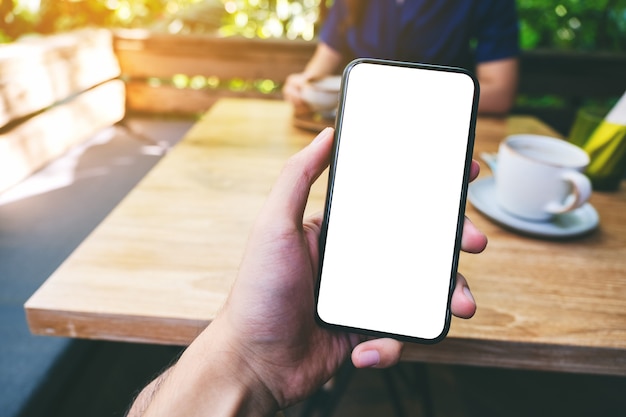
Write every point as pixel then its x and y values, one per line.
pixel 288 197
pixel 472 239
pixel 463 304
pixel 377 353
pixel 474 170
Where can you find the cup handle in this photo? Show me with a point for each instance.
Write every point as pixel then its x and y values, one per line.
pixel 491 159
pixel 581 191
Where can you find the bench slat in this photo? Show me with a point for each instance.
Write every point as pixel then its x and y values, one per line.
pixel 143 98
pixel 143 54
pixel 30 145
pixel 37 73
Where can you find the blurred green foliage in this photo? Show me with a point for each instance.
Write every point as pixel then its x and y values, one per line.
pixel 559 24
pixel 22 17
pixel 271 18
pixel 573 24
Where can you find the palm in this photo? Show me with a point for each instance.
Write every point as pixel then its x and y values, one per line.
pixel 271 307
pixel 275 312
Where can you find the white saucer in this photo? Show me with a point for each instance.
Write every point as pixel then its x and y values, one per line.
pixel 584 219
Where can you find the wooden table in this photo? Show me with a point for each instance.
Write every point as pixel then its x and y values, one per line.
pixel 159 267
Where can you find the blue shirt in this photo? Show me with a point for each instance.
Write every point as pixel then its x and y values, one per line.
pixel 447 32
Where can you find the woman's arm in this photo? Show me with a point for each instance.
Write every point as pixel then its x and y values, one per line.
pixel 324 61
pixel 498 85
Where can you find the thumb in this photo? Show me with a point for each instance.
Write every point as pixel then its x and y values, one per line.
pixel 377 353
pixel 288 197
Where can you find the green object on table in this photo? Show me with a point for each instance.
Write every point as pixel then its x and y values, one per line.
pixel 602 135
pixel 586 121
pixel 607 152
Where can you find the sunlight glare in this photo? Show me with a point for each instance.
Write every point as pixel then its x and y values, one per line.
pixel 266 86
pixel 154 82
pixel 565 34
pixel 574 23
pixel 176 26
pixel 282 9
pixel 31 6
pixel 172 7
pixel 197 82
pixel 272 27
pixel 296 9
pixel 213 81
pixel 124 12
pixel 241 19
pixel 230 7
pixel 180 80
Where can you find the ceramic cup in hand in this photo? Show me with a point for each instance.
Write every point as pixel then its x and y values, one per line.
pixel 538 177
pixel 322 95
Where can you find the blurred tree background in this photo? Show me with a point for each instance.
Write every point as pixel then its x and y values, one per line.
pixel 598 25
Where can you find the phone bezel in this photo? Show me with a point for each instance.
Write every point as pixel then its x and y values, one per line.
pixel 462 205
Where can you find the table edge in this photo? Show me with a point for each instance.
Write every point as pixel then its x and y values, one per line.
pixel 451 351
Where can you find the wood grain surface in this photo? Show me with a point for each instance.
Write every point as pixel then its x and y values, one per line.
pixel 159 267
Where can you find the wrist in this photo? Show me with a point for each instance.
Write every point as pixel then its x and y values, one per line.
pixel 213 379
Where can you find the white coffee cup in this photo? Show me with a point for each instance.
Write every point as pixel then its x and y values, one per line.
pixel 322 95
pixel 538 176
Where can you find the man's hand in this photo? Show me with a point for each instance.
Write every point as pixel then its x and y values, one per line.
pixel 265 351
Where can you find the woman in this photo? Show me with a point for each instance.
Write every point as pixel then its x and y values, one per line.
pixel 479 35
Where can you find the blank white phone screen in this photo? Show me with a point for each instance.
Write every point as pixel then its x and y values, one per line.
pixel 397 190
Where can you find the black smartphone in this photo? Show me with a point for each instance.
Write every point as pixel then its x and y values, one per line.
pixel 395 204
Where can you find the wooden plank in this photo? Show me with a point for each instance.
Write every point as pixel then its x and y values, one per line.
pixel 528 356
pixel 37 73
pixel 143 54
pixel 30 145
pixel 166 99
pixel 136 329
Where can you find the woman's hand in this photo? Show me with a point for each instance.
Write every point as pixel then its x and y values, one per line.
pixel 324 62
pixel 292 92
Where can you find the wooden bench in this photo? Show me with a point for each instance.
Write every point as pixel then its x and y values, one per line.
pixel 58 90
pixel 55 92
pixel 150 61
pixel 230 67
